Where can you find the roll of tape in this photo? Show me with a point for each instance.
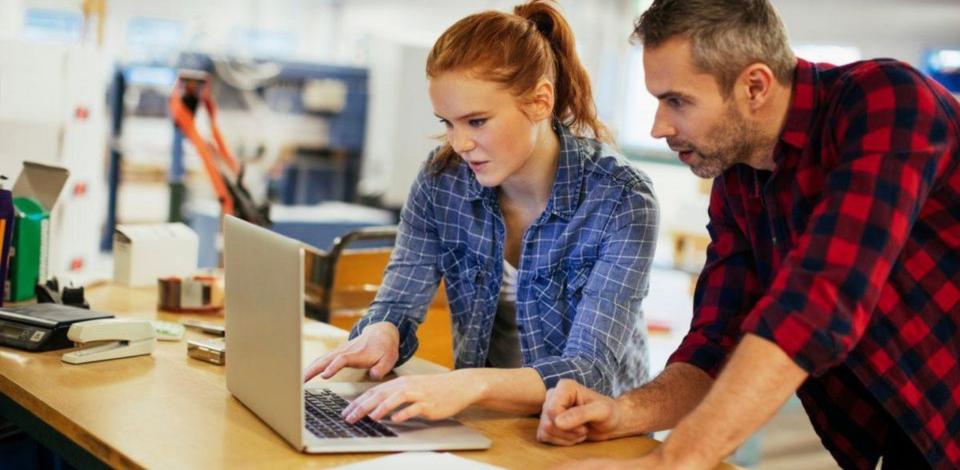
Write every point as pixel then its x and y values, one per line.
pixel 200 293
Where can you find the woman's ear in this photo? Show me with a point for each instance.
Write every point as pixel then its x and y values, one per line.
pixel 540 104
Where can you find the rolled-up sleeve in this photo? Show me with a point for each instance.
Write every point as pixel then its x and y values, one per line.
pixel 411 277
pixel 609 312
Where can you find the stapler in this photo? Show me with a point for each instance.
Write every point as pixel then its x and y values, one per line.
pixel 120 338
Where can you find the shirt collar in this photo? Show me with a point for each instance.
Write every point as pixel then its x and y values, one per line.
pixel 565 195
pixel 803 104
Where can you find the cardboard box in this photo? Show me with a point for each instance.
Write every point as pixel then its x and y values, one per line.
pixel 143 253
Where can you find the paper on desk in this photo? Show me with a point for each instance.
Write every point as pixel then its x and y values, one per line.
pixel 424 460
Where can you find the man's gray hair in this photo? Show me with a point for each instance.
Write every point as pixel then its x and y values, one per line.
pixel 725 35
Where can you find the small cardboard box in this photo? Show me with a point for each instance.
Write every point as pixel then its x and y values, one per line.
pixel 143 253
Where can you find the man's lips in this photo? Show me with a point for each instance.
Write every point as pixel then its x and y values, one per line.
pixel 685 155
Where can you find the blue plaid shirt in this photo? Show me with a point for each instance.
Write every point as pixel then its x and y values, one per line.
pixel 583 270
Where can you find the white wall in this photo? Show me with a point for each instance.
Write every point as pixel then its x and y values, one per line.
pixel 601 27
pixel 344 31
pixel 10 20
pixel 341 30
pixel 348 31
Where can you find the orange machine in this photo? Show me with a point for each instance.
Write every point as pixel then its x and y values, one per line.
pixel 225 173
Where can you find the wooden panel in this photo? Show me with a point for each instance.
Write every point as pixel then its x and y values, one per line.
pixel 359 273
pixel 356 280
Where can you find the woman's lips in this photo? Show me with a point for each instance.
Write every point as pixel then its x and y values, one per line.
pixel 477 166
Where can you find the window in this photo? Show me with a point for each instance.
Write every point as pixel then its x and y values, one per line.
pixel 49 25
pixel 153 38
pixel 944 66
pixel 831 54
pixel 263 44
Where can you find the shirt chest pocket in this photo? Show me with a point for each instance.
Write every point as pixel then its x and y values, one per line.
pixel 462 275
pixel 558 293
pixel 576 276
pixel 566 282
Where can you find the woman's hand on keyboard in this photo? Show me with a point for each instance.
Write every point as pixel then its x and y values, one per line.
pixel 432 397
pixel 377 349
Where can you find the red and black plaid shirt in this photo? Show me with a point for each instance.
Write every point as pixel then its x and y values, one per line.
pixel 847 256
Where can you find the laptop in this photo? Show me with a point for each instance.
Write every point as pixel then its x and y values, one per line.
pixel 265 294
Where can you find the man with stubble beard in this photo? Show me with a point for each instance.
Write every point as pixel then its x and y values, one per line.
pixel 834 264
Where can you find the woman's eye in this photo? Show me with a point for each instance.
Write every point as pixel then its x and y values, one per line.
pixel 476 122
pixel 445 123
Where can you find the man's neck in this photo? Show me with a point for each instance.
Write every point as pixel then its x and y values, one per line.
pixel 772 123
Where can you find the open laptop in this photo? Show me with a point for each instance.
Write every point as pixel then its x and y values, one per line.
pixel 265 294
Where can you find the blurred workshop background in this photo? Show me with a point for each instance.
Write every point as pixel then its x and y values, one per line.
pixel 324 103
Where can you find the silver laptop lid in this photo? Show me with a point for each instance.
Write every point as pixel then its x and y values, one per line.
pixel 264 318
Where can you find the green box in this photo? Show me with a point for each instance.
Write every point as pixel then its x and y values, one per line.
pixel 34 195
pixel 29 234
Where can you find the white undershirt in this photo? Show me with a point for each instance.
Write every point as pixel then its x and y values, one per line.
pixel 508 289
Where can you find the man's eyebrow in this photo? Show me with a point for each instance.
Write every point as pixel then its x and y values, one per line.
pixel 673 94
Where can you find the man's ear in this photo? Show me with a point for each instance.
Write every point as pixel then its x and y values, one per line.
pixel 756 84
pixel 539 105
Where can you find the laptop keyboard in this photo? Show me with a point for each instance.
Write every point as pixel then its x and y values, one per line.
pixel 323 409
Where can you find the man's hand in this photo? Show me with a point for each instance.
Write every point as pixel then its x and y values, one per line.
pixel 572 413
pixel 377 349
pixel 432 397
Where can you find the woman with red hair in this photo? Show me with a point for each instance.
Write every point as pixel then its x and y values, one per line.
pixel 543 235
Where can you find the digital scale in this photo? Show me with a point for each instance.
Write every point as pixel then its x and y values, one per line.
pixel 41 327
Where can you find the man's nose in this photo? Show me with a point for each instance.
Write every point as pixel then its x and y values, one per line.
pixel 662 127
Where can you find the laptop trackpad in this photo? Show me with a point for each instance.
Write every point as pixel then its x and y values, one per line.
pixel 417 424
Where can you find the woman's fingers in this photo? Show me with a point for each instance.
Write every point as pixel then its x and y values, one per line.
pixel 348 410
pixel 338 362
pixel 317 366
pixel 376 349
pixel 392 402
pixel 412 411
pixel 365 403
pixel 354 359
pixel 383 366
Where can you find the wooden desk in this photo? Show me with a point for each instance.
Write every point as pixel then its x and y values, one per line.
pixel 170 411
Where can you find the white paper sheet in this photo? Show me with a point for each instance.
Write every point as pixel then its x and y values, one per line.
pixel 421 461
